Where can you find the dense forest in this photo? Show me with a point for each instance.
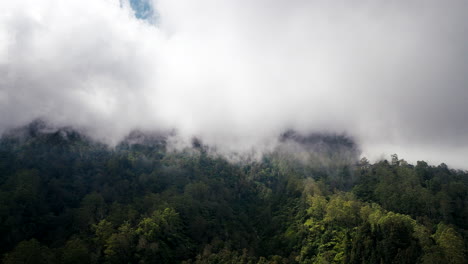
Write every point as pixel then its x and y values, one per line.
pixel 65 198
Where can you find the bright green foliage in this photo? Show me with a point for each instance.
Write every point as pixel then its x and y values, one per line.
pixel 451 244
pixel 160 237
pixel 120 246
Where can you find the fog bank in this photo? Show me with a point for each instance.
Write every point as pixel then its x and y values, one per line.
pixel 236 74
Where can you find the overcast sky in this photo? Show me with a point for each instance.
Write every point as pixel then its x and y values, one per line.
pixel 237 73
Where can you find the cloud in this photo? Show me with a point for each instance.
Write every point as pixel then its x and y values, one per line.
pixel 392 74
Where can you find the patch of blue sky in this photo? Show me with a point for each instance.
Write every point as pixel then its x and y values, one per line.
pixel 143 9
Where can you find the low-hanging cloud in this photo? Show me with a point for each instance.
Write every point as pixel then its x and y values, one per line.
pixel 392 74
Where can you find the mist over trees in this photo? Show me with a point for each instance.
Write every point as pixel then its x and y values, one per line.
pixel 67 199
pixel 224 131
pixel 236 73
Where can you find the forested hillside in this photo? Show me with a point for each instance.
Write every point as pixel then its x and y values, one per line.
pixel 67 199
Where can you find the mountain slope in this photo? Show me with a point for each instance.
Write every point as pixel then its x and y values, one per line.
pixel 67 199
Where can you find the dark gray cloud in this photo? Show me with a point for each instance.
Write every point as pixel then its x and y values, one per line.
pixel 392 74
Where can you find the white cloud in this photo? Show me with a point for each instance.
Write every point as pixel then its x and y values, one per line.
pixel 238 73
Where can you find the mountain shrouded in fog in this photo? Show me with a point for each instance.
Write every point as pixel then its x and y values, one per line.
pixel 242 132
pixel 68 199
pixel 237 73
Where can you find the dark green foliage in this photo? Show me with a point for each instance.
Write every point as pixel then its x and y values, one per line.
pixel 30 252
pixel 75 251
pixel 426 193
pixel 66 199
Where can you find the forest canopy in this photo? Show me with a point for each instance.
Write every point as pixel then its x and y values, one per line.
pixel 67 199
